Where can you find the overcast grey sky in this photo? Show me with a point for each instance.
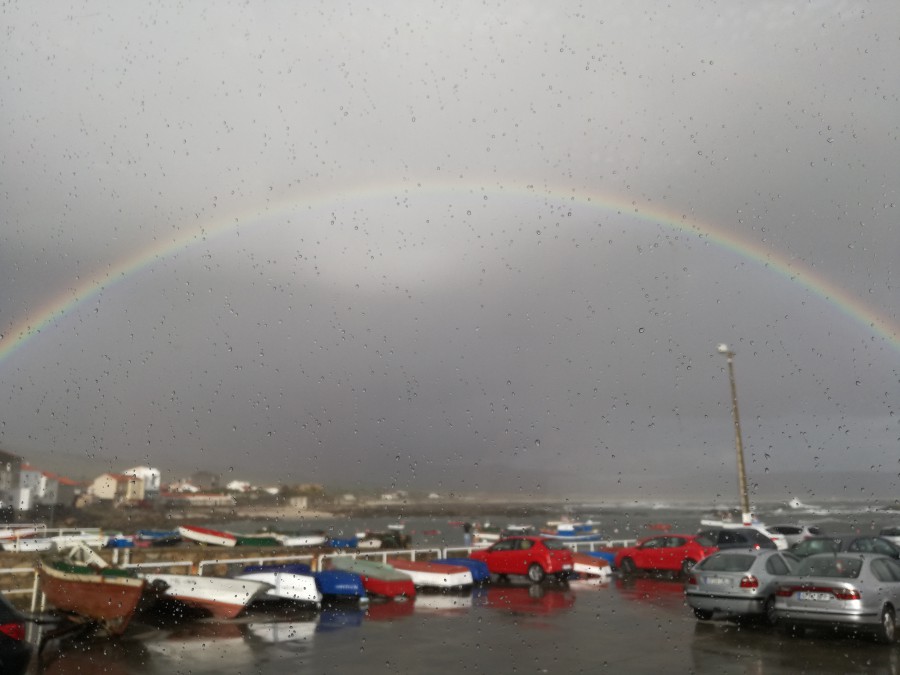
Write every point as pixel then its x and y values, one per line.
pixel 451 245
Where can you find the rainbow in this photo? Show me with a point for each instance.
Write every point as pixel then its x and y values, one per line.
pixel 24 329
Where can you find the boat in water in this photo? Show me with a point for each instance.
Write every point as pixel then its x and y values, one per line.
pixel 377 578
pixel 426 574
pixel 221 597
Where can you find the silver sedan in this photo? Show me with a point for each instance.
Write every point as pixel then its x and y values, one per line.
pixel 856 590
pixel 738 583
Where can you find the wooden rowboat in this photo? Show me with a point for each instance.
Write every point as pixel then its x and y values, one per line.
pixel 106 596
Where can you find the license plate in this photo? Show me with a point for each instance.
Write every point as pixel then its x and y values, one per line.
pixel 715 581
pixel 811 595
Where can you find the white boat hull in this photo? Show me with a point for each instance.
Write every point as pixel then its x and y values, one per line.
pixel 287 586
pixel 224 598
pixel 202 536
pixel 301 539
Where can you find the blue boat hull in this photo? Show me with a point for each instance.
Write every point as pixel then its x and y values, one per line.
pixel 478 568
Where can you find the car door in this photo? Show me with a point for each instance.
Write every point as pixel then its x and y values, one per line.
pixel 501 557
pixel 648 554
pixel 526 553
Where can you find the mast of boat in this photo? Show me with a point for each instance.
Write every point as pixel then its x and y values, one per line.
pixel 746 516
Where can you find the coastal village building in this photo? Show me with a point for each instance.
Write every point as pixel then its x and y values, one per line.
pixel 10 467
pixel 239 486
pixel 183 486
pixel 197 499
pixel 117 488
pixel 151 477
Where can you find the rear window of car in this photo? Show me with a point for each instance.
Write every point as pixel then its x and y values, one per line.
pixel 890 532
pixel 834 567
pixel 705 539
pixel 785 529
pixel 727 562
pixel 554 544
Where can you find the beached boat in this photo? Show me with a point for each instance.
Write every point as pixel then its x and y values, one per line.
pixel 300 539
pixel 28 545
pixel 222 597
pixel 478 568
pixel 203 535
pixel 584 564
pixel 426 574
pixel 378 578
pixel 106 596
pixel 285 582
pixel 257 540
pixel 332 584
pixel 571 531
pixel 157 537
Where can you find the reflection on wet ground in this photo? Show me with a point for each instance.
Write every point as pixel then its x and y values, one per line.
pixel 634 625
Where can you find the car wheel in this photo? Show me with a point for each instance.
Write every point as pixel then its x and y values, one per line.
pixel 535 573
pixel 769 614
pixel 687 565
pixel 628 567
pixel 702 614
pixel 887 628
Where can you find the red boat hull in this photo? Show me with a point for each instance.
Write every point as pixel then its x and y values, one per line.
pixel 389 588
pixel 110 601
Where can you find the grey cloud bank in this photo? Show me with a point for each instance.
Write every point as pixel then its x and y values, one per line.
pixel 391 281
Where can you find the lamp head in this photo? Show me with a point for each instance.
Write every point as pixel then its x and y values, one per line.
pixel 723 348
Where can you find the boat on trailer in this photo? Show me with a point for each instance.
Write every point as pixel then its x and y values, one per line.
pixel 426 574
pixel 377 578
pixel 221 597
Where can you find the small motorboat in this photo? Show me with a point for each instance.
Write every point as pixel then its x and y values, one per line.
pixel 333 585
pixel 425 574
pixel 300 539
pixel 222 597
pixel 589 565
pixel 377 578
pixel 285 582
pixel 204 535
pixel 157 538
pixel 263 539
pixel 478 568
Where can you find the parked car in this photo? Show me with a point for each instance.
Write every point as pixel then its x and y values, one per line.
pixel 15 651
pixel 892 534
pixel 795 533
pixel 738 583
pixel 534 557
pixel 737 537
pixel 854 590
pixel 674 552
pixel 851 543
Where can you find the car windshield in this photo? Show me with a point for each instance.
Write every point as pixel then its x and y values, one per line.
pixel 839 567
pixel 730 562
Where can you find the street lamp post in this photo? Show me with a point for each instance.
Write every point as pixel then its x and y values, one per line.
pixel 746 516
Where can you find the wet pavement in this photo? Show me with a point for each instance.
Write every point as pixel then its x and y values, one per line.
pixel 639 625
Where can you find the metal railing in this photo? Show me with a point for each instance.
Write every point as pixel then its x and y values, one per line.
pixel 316 562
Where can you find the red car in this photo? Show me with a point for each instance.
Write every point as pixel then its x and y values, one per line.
pixel 676 552
pixel 534 557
